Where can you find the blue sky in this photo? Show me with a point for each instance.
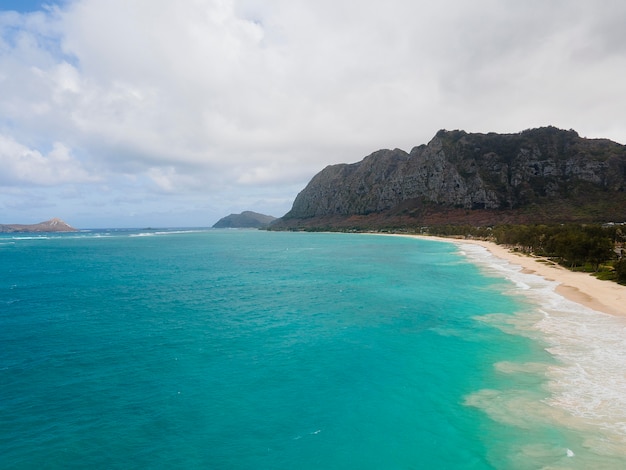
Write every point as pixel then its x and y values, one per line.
pixel 25 6
pixel 21 5
pixel 132 113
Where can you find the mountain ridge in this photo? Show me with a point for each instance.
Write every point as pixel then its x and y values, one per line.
pixel 534 176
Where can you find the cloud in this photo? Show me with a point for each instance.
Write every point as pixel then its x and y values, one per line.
pixel 232 97
pixel 24 166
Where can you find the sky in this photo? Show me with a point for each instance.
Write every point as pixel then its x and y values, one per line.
pixel 136 113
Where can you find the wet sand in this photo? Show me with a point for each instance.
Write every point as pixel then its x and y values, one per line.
pixel 583 288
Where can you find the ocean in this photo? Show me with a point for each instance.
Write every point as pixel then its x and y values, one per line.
pixel 245 349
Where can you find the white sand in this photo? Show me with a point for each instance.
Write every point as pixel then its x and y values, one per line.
pixel 583 288
pixel 586 385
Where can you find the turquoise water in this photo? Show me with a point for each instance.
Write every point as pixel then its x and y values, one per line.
pixel 261 350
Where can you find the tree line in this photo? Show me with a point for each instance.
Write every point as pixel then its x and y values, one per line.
pixel 581 247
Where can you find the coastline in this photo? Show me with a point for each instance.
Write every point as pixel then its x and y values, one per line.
pixel 582 288
pixel 579 321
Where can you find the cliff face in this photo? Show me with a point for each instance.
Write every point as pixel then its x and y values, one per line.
pixel 548 172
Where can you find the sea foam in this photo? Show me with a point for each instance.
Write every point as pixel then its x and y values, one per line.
pixel 587 382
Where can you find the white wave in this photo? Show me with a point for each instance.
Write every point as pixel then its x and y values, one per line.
pixel 170 232
pixel 31 237
pixel 165 232
pixel 589 380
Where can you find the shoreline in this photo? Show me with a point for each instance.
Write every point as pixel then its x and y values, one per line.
pixel 579 321
pixel 583 288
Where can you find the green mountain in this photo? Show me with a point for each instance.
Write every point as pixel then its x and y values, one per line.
pixel 535 176
pixel 246 219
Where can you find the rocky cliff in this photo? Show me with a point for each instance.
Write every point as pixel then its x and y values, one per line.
pixel 537 175
pixel 52 225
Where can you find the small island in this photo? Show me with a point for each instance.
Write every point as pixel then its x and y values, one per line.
pixel 52 225
pixel 246 219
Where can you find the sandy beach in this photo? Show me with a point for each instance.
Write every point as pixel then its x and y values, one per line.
pixel 583 288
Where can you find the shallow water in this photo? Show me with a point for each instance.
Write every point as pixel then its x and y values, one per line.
pixel 585 388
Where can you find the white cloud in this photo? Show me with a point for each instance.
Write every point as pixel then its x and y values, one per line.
pixel 24 166
pixel 163 178
pixel 216 97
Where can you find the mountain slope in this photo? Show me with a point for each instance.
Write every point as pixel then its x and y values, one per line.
pixel 537 175
pixel 246 219
pixel 52 225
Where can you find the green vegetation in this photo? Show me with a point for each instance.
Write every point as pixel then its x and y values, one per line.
pixel 594 248
pixel 590 248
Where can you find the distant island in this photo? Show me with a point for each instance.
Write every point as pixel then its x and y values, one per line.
pixel 246 219
pixel 52 225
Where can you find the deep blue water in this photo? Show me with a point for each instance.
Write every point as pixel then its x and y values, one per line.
pixel 262 350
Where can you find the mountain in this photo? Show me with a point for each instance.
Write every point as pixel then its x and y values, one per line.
pixel 246 219
pixel 535 176
pixel 52 225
